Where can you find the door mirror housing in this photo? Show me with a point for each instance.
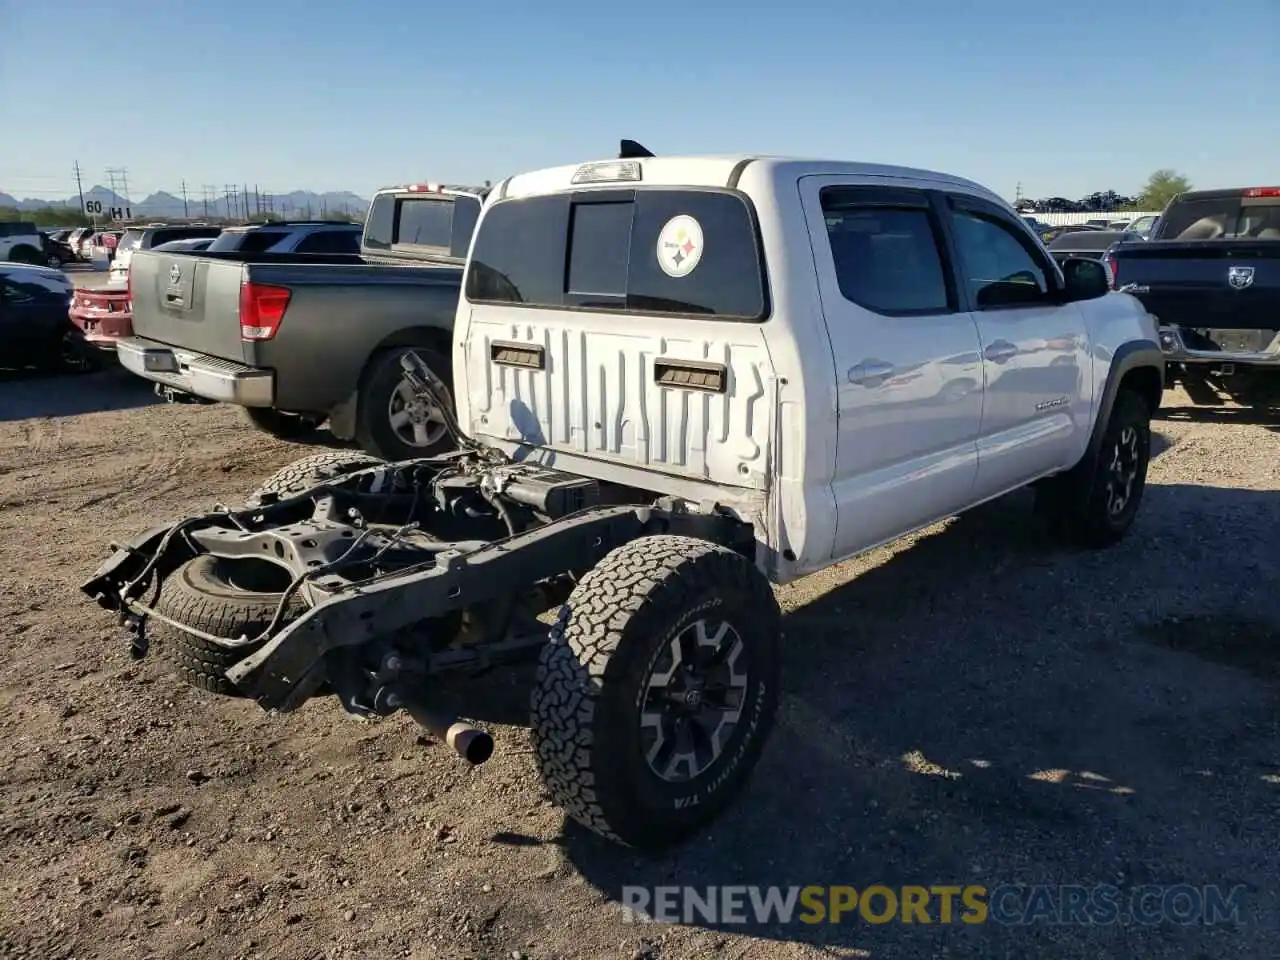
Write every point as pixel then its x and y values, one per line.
pixel 1084 279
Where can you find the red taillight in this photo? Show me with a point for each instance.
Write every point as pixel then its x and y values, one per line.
pixel 1113 269
pixel 1254 192
pixel 262 307
pixel 425 188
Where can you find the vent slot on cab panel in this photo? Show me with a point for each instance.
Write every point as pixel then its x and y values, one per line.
pixel 691 375
pixel 527 355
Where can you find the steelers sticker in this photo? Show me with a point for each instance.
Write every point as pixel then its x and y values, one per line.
pixel 680 246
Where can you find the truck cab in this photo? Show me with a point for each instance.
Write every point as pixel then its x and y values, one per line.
pixel 842 352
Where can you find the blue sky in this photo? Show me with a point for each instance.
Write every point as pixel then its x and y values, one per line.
pixel 334 94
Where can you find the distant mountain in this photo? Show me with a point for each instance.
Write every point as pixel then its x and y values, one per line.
pixel 297 203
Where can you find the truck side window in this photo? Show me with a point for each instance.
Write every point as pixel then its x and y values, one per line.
pixel 377 232
pixel 887 257
pixel 996 265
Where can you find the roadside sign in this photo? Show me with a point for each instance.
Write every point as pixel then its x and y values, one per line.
pixel 95 208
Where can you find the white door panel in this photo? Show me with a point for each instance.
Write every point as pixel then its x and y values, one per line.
pixel 1034 362
pixel 1034 349
pixel 908 363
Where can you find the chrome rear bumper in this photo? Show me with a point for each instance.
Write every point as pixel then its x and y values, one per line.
pixel 196 373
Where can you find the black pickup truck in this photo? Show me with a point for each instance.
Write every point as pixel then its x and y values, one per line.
pixel 1210 274
pixel 297 339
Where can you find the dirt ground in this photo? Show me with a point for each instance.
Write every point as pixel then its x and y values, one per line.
pixel 973 705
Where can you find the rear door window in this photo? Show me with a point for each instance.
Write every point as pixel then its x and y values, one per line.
pixel 649 250
pixel 886 249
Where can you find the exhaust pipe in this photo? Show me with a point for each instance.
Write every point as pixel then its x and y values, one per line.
pixel 470 743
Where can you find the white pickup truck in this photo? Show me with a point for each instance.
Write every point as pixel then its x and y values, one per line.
pixel 677 379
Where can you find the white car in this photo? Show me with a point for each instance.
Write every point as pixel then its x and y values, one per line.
pixel 22 242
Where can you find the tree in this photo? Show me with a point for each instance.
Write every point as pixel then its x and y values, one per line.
pixel 1162 186
pixel 46 216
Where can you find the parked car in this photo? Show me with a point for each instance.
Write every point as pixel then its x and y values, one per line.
pixel 271 318
pixel 34 329
pixel 1088 243
pixel 103 314
pixel 1143 225
pixel 1211 274
pixel 101 247
pixel 21 242
pixel 1039 227
pixel 146 238
pixel 290 236
pixel 77 240
pixel 644 385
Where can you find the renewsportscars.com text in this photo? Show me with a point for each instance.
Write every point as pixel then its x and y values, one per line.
pixel 1008 904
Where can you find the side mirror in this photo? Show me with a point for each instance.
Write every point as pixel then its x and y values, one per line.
pixel 1085 279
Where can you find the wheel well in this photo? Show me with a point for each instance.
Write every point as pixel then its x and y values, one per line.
pixel 432 337
pixel 1147 383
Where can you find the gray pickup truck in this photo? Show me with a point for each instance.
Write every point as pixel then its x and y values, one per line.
pixel 298 339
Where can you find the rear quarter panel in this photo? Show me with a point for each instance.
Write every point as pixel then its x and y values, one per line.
pixel 339 316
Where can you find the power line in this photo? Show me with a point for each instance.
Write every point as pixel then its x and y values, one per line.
pixel 79 186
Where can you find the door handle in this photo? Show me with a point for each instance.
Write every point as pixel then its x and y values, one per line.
pixel 870 370
pixel 1000 351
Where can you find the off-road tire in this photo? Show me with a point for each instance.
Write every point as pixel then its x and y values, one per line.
pixel 1075 503
pixel 306 473
pixel 196 594
pixel 585 713
pixel 281 425
pixel 373 431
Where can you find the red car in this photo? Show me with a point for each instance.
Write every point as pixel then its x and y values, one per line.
pixel 104 317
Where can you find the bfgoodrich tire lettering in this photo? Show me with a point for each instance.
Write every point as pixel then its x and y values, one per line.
pixel 592 680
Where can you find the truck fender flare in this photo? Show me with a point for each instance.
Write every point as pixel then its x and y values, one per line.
pixel 1129 356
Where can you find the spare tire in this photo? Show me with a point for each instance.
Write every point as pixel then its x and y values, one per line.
pixel 225 598
pixel 304 474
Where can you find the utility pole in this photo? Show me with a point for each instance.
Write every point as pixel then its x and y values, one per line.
pixel 246 200
pixel 79 185
pixel 186 213
pixel 226 195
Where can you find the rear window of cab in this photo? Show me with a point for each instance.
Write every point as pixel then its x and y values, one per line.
pixel 646 250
